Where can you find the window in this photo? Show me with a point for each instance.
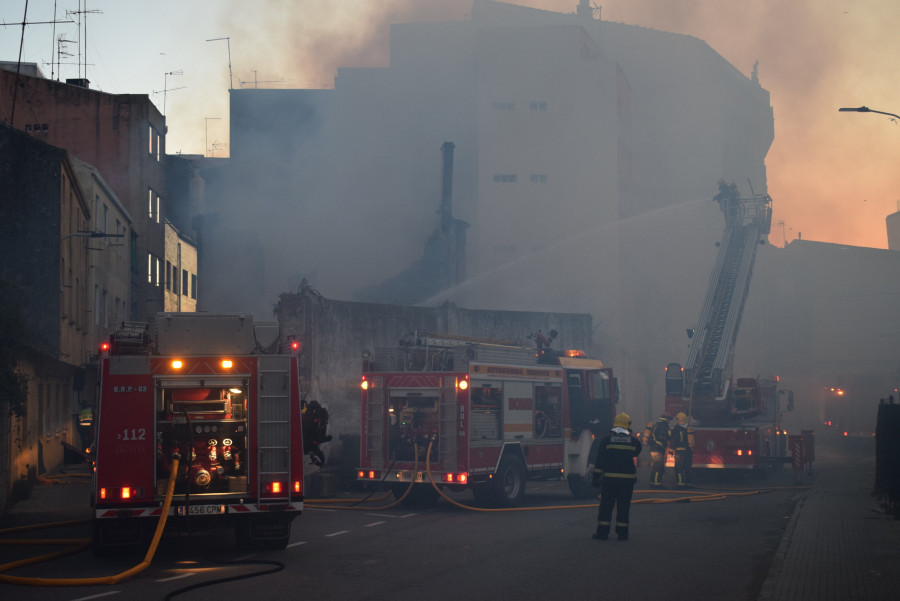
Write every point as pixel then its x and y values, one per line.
pixel 96 304
pixel 154 144
pixel 152 205
pixel 537 106
pixel 504 178
pixel 184 282
pixel 503 106
pixel 538 178
pixel 193 286
pixel 168 275
pixel 154 269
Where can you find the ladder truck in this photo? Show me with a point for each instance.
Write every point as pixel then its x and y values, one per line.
pixel 735 421
pixel 479 414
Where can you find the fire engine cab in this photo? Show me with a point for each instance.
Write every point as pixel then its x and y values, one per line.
pixel 207 389
pixel 485 415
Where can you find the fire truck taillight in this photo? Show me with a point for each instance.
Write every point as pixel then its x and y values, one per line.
pixel 298 487
pixel 104 346
pixel 456 478
pixel 177 364
pixel 227 363
pixel 273 488
pixel 295 345
pixel 103 493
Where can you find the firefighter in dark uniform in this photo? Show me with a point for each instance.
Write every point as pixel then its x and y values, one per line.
pixel 682 445
pixel 657 443
pixel 615 472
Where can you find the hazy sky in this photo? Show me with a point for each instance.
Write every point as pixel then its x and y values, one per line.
pixel 833 176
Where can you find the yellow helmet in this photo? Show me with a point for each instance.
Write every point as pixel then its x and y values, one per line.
pixel 681 418
pixel 622 420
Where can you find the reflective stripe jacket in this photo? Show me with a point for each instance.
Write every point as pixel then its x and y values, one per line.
pixel 679 440
pixel 616 454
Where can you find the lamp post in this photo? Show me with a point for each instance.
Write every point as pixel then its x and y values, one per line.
pixel 865 109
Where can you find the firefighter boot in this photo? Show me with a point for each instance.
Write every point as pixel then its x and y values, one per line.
pixel 622 531
pixel 602 531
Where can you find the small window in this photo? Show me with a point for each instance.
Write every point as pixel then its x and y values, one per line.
pixel 193 286
pixel 504 178
pixel 184 282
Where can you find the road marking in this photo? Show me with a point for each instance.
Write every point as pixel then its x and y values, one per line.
pixel 387 515
pixel 97 596
pixel 178 577
pixel 378 523
pixel 338 533
pixel 251 556
pixel 303 542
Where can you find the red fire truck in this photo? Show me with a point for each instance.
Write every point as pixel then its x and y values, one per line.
pixel 491 413
pixel 735 422
pixel 199 386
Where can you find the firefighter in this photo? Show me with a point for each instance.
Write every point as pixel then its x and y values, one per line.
pixel 657 441
pixel 615 472
pixel 681 444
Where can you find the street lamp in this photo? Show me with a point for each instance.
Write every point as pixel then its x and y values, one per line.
pixel 865 109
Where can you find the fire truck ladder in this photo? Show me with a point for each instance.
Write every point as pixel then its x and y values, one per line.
pixel 711 353
pixel 274 426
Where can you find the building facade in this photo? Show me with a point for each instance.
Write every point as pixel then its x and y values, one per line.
pixel 123 137
pixel 45 220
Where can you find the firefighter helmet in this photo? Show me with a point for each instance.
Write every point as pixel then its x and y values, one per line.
pixel 681 418
pixel 622 420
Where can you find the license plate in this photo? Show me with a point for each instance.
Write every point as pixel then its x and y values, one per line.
pixel 203 510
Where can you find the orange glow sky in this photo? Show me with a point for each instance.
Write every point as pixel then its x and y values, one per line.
pixel 833 176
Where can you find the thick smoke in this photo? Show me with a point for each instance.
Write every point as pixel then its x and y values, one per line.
pixel 832 174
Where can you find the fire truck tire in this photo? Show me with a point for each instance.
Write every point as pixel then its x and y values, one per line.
pixel 277 529
pixel 118 537
pixel 507 488
pixel 421 495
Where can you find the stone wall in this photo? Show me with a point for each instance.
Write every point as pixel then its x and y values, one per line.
pixel 335 334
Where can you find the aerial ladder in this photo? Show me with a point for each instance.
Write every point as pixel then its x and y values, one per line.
pixel 707 385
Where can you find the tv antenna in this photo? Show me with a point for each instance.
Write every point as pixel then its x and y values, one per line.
pixel 257 82
pixel 81 21
pixel 166 86
pixel 230 77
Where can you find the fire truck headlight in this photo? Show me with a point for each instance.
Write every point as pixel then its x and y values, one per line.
pixel 463 384
pixel 177 364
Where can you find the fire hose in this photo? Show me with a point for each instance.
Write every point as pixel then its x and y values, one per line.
pixel 80 544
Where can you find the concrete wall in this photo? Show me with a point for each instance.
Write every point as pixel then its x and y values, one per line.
pixel 335 334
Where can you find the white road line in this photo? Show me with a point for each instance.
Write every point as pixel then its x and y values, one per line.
pixel 386 515
pixel 338 533
pixel 378 523
pixel 251 556
pixel 178 577
pixel 97 596
pixel 303 542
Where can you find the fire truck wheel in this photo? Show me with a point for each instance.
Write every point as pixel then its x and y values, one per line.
pixel 262 532
pixel 508 484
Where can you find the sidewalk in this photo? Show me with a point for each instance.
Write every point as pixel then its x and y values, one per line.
pixel 57 497
pixel 839 544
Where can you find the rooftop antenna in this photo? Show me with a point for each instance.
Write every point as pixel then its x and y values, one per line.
pixel 206 146
pixel 230 77
pixel 82 11
pixel 23 23
pixel 166 86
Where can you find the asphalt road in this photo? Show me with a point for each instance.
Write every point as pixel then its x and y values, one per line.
pixel 713 549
